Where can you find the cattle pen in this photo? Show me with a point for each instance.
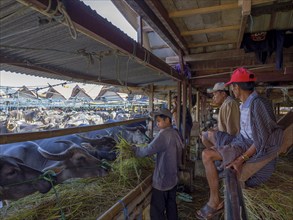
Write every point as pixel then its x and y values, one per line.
pixel 69 149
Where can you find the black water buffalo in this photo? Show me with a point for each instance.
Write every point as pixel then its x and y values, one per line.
pixel 102 145
pixel 18 179
pixel 22 164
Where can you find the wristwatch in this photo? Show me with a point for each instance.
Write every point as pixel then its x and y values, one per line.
pixel 245 157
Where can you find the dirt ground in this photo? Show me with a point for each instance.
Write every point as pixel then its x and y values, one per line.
pixel 199 192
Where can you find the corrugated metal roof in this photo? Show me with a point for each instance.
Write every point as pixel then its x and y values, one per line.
pixel 35 44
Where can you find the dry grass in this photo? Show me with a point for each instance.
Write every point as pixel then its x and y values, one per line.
pixel 274 199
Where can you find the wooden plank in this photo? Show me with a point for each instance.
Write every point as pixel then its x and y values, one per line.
pixel 136 203
pixel 11 138
pixel 118 207
pixel 192 45
pixel 251 168
pixel 246 9
pixel 205 10
pixel 211 30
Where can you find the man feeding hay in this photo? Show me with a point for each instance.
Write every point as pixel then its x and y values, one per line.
pixel 168 146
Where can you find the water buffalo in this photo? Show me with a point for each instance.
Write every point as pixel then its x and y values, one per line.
pixel 26 161
pixel 18 180
pixel 101 145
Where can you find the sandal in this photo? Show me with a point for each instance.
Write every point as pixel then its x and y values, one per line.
pixel 208 212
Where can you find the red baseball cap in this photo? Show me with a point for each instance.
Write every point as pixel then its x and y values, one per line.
pixel 241 75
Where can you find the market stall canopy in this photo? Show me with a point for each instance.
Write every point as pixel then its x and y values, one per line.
pixel 72 42
pixel 53 94
pixel 80 94
pixel 108 96
pixel 24 93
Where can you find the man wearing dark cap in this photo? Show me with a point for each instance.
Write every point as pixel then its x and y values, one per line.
pixel 167 145
pixel 229 115
pixel 260 137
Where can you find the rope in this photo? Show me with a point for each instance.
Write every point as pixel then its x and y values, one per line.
pixel 48 177
pixel 62 17
pixel 127 70
pixel 117 65
pixel 100 69
pixel 125 210
pixel 71 27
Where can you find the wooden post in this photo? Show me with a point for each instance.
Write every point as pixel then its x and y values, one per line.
pixel 178 104
pixel 184 106
pixel 197 106
pixel 151 108
pixel 169 99
pixel 139 31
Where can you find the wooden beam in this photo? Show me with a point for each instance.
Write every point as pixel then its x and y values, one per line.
pixel 262 76
pixel 31 69
pixel 151 18
pixel 205 10
pixel 272 8
pixel 246 61
pixel 163 16
pixel 211 30
pixel 246 9
pixel 19 137
pixel 193 45
pixel 225 54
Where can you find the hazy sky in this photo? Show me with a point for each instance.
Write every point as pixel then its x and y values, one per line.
pixel 103 7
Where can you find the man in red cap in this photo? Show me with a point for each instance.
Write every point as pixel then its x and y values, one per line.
pixel 259 138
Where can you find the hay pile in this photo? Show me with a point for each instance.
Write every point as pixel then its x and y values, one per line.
pixel 274 199
pixel 82 198
pixel 127 163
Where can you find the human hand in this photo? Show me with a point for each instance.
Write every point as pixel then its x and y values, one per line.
pixel 236 165
pixel 133 148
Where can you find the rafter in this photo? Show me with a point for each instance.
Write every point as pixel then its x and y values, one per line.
pixel 192 45
pixel 211 30
pixel 205 10
pixel 246 9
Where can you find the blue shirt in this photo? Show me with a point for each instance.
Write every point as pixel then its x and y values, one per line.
pixel 168 147
pixel 245 123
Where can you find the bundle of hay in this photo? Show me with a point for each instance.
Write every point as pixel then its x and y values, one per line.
pixel 127 164
pixel 274 199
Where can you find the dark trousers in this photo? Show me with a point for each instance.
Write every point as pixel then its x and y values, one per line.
pixel 163 204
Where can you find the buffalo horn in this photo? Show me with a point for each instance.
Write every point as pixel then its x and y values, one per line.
pixel 74 148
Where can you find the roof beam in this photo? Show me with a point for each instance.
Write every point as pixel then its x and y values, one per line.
pixel 211 30
pixel 204 10
pixel 273 8
pixel 26 65
pixel 226 54
pixel 209 56
pixel 152 19
pixel 163 15
pixel 192 45
pixel 246 9
pixel 212 9
pixel 262 76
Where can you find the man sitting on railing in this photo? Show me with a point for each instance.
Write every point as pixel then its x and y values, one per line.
pixel 259 138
